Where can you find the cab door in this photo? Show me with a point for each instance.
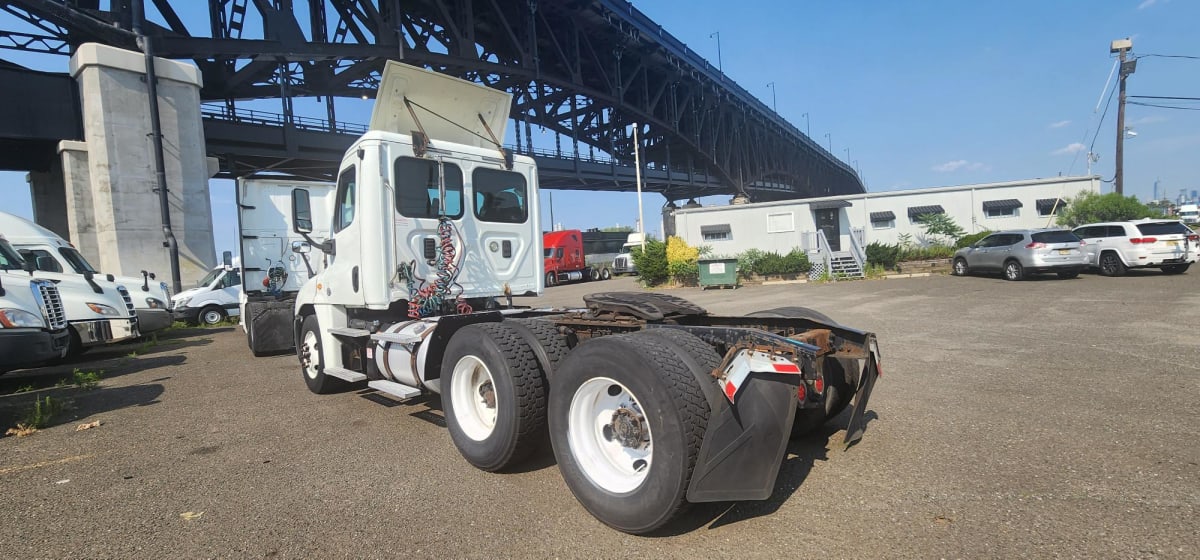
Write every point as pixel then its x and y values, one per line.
pixel 342 280
pixel 509 248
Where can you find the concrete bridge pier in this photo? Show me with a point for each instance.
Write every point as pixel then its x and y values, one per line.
pixel 109 204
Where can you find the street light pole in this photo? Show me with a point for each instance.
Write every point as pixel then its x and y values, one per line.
pixel 1122 47
pixel 847 155
pixel 774 106
pixel 829 137
pixel 717 34
pixel 807 126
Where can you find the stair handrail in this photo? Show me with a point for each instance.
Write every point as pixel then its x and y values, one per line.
pixel 826 256
pixel 857 250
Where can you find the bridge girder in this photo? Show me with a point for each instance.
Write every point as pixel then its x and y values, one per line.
pixel 585 70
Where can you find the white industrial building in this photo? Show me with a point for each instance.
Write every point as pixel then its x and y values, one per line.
pixel 848 223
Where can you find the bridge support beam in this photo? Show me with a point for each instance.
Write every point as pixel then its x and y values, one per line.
pixel 49 199
pixel 110 189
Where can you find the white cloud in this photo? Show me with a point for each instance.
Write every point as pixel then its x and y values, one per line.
pixel 1072 148
pixel 960 165
pixel 1059 124
pixel 1146 4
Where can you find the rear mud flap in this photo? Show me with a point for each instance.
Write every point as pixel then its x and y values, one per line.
pixel 858 422
pixel 744 443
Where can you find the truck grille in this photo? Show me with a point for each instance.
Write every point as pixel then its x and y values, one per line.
pixel 620 262
pixel 128 300
pixel 47 296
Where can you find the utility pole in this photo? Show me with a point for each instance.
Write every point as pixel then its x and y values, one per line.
pixel 774 106
pixel 717 34
pixel 1122 47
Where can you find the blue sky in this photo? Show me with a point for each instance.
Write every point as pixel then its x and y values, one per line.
pixel 922 93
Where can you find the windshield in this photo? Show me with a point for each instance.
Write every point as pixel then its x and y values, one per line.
pixel 547 252
pixel 1163 228
pixel 76 260
pixel 1063 236
pixel 210 277
pixel 9 259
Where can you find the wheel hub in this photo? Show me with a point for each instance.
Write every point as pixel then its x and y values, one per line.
pixel 488 393
pixel 627 428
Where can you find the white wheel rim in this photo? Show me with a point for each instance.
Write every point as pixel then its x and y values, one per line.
pixel 474 396
pixel 212 317
pixel 598 405
pixel 960 267
pixel 310 349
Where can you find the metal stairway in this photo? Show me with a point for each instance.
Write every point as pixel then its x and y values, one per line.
pixel 843 265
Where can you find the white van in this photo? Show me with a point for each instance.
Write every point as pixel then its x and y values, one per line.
pixel 96 314
pixel 1189 213
pixel 216 296
pixel 56 259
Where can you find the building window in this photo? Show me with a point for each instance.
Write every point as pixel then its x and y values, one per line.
pixel 720 232
pixel 883 220
pixel 1050 206
pixel 781 223
pixel 1006 208
pixel 915 212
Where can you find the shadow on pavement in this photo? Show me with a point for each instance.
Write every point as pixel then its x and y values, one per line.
pixel 77 404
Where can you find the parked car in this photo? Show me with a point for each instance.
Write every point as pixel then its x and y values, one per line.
pixel 1018 253
pixel 1114 247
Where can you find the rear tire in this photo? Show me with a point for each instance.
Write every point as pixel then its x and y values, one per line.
pixel 494 395
pixel 960 267
pixel 551 279
pixel 1111 265
pixel 836 372
pixel 593 274
pixel 1013 271
pixel 605 274
pixel 1176 268
pixel 627 419
pixel 312 360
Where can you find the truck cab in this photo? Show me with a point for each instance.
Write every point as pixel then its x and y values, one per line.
pixel 56 259
pixel 96 313
pixel 213 298
pixel 623 263
pixel 33 322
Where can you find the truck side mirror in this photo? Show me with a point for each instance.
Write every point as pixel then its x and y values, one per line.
pixel 301 211
pixel 29 266
pixel 301 247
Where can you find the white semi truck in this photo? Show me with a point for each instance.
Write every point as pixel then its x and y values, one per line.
pixel 649 402
pixel 96 311
pixel 33 321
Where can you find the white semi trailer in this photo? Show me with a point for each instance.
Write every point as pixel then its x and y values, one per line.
pixel 649 401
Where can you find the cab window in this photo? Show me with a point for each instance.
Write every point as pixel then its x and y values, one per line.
pixel 76 260
pixel 344 215
pixel 500 196
pixel 32 255
pixel 233 279
pixel 418 194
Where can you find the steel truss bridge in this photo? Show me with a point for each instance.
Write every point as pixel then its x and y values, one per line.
pixel 582 73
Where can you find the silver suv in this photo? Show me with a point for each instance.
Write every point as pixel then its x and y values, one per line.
pixel 1114 247
pixel 1017 253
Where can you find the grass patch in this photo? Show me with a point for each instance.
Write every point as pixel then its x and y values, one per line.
pixel 24 389
pixel 40 416
pixel 86 379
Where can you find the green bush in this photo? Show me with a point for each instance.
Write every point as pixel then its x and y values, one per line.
pixel 748 262
pixel 883 254
pixel 918 253
pixel 795 262
pixel 652 263
pixel 1090 207
pixel 967 240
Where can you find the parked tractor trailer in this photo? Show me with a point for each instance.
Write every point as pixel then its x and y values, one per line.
pixel 648 401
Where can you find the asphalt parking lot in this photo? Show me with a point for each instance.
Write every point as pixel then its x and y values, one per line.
pixel 1014 419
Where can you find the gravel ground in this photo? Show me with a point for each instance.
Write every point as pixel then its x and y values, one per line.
pixel 1032 419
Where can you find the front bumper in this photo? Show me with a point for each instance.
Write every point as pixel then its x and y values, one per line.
pixel 104 331
pixel 150 320
pixel 186 314
pixel 30 347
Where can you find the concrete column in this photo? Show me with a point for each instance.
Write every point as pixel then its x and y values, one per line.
pixel 49 199
pixel 119 160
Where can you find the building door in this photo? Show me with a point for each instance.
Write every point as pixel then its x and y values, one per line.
pixel 827 221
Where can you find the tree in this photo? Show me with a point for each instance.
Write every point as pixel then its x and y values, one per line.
pixel 1090 207
pixel 937 225
pixel 617 229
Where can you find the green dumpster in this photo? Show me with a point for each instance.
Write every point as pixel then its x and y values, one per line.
pixel 718 272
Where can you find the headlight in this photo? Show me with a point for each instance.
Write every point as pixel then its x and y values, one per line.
pixel 18 318
pixel 182 302
pixel 155 303
pixel 103 309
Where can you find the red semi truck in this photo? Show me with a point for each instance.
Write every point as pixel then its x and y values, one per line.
pixel 567 260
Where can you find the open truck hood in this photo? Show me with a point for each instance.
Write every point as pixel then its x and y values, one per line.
pixel 443 104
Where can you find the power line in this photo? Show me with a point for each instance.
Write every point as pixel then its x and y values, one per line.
pixel 1164 97
pixel 1102 115
pixel 1168 56
pixel 1164 106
